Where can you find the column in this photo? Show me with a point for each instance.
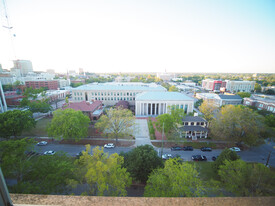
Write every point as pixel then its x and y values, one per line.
pixel 159 110
pixel 151 108
pixel 155 108
pixel 141 109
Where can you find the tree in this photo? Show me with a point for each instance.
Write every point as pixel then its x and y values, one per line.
pixel 176 179
pixel 171 121
pixel 173 89
pixel 68 124
pixel 116 123
pixel 257 87
pixel 243 94
pixel 208 110
pixel 47 175
pixel 30 100
pixel 246 179
pixel 13 123
pixel 269 92
pixel 103 173
pixel 13 159
pixel 226 154
pixel 237 124
pixel 141 161
pixel 198 103
pixel 34 174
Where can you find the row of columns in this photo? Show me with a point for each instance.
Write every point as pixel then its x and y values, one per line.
pixel 145 109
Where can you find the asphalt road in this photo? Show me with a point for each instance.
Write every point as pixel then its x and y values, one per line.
pixel 255 154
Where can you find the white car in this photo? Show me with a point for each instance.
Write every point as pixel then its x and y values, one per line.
pixel 235 149
pixel 109 145
pixel 49 152
pixel 166 156
pixel 42 143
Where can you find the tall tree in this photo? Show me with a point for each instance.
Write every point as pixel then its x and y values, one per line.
pixel 14 162
pixel 237 124
pixel 208 109
pixel 226 154
pixel 246 179
pixel 141 161
pixel 176 179
pixel 243 94
pixel 258 87
pixel 13 123
pixel 173 89
pixel 171 122
pixel 103 173
pixel 117 123
pixel 68 124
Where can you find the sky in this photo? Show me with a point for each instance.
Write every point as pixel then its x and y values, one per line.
pixel 236 36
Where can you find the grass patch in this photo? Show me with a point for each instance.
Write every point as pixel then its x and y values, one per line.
pixel 40 129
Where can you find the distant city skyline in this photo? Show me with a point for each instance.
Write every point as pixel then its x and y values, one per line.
pixel 141 36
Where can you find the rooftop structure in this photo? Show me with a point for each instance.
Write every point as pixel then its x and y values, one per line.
pixel 111 93
pixel 92 109
pixel 213 85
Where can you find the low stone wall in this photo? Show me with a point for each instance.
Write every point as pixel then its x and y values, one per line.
pixel 133 201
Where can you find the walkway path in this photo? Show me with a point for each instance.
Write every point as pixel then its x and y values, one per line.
pixel 142 133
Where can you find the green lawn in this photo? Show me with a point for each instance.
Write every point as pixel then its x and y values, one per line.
pixel 40 129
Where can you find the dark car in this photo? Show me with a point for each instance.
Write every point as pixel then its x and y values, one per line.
pixel 206 149
pixel 199 158
pixel 214 158
pixel 176 148
pixel 188 148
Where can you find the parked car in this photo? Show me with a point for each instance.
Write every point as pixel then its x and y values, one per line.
pixel 235 149
pixel 51 152
pixel 42 143
pixel 206 149
pixel 109 146
pixel 31 153
pixel 214 158
pixel 166 156
pixel 188 148
pixel 199 158
pixel 176 148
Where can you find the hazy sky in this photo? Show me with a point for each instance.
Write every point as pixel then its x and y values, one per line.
pixel 141 35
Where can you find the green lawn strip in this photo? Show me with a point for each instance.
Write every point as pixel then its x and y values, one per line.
pixel 40 129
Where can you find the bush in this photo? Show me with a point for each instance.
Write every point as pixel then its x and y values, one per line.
pixel 151 129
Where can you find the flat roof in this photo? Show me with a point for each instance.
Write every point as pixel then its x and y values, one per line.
pixel 121 86
pixel 163 96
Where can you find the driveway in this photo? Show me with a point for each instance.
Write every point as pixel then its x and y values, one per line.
pixel 142 133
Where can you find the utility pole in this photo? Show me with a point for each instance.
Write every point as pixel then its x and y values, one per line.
pixel 162 140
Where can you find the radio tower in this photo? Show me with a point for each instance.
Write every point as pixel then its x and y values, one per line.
pixel 6 25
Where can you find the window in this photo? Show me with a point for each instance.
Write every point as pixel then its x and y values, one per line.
pixel 131 98
pixel 198 123
pixel 111 98
pixel 92 94
pixel 115 98
pixel 261 105
pixel 96 98
pixel 186 123
pixel 192 123
pixel 118 94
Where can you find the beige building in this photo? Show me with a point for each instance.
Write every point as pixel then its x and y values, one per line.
pixel 156 103
pixel 239 86
pixel 111 93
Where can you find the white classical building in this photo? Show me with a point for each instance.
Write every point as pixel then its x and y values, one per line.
pixel 113 92
pixel 156 103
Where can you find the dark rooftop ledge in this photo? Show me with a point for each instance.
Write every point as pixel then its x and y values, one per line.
pixel 24 199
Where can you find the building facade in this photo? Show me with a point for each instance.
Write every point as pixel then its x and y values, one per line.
pixel 220 100
pixel 3 104
pixel 264 102
pixel 50 84
pixel 194 127
pixel 213 85
pixel 157 103
pixel 111 93
pixel 240 86
pixel 25 66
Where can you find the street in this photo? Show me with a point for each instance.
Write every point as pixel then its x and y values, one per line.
pixel 255 154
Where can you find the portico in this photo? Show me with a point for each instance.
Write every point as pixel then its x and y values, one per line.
pixel 157 103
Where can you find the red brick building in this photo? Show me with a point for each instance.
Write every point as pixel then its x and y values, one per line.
pixel 50 84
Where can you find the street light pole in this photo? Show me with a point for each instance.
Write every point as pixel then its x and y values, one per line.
pixel 162 139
